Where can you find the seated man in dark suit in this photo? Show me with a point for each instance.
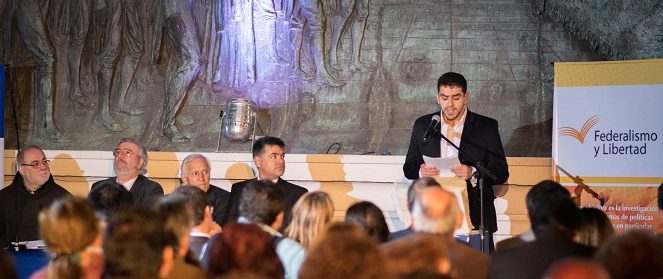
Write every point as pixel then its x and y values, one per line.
pixel 129 165
pixel 33 188
pixel 195 171
pixel 269 157
pixel 436 215
pixel 554 222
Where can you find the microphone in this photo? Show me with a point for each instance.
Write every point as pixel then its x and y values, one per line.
pixel 432 127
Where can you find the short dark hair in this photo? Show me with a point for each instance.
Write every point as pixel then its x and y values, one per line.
pixel 543 190
pixel 177 216
pixel 134 243
pixel 196 198
pixel 452 79
pixel 632 254
pixel 555 208
pixel 417 186
pixel 259 145
pixel 261 201
pixel 370 218
pixel 107 197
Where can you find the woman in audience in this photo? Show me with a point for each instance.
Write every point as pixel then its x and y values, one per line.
pixel 343 251
pixel 242 248
pixel 370 218
pixel 595 227
pixel 72 234
pixel 312 212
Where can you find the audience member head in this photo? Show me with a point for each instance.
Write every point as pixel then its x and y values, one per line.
pixel 7 265
pixel 311 214
pixel 130 159
pixel 370 218
pixel 177 216
pixel 343 251
pixel 33 167
pixel 595 227
pixel 550 205
pixel 68 227
pixel 436 211
pixel 576 268
pixel 269 157
pixel 418 256
pixel 197 200
pixel 261 202
pixel 243 248
pixel 136 245
pixel 107 197
pixel 416 187
pixel 195 171
pixel 660 197
pixel 636 254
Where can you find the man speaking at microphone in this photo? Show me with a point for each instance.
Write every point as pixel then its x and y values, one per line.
pixel 479 141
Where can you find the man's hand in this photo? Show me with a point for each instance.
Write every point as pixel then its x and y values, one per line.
pixel 463 172
pixel 428 170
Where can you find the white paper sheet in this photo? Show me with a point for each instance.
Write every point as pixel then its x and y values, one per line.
pixel 443 164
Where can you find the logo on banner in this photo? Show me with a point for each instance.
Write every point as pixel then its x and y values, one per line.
pixel 579 135
pixel 611 142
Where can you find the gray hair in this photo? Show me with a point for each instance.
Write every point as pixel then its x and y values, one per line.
pixel 426 221
pixel 20 156
pixel 142 152
pixel 190 158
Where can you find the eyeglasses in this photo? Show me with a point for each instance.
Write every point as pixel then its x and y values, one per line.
pixel 37 164
pixel 126 153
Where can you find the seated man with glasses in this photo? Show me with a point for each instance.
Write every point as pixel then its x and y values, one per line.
pixel 32 189
pixel 130 165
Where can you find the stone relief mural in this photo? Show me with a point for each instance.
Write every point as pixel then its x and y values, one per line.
pixel 83 73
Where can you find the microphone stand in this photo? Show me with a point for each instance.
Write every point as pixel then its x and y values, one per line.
pixel 479 174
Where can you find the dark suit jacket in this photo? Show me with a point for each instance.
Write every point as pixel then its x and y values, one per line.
pixel 465 261
pixel 19 209
pixel 218 198
pixel 292 194
pixel 480 141
pixel 145 192
pixel 196 244
pixel 532 259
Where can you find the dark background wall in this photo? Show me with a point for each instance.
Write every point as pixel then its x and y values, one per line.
pixel 506 50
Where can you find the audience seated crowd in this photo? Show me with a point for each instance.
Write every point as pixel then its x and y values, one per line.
pixel 127 228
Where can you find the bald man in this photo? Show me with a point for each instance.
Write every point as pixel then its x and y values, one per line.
pixel 576 268
pixel 436 212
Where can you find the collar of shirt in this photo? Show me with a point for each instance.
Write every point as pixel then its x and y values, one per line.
pixel 271 231
pixel 199 234
pixel 127 185
pixel 273 180
pixel 446 150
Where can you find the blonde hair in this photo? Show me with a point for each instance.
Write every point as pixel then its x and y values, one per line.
pixel 310 215
pixel 68 226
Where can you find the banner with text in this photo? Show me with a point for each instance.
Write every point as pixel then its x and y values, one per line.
pixel 608 137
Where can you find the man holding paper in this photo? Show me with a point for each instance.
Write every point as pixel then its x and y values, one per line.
pixel 476 135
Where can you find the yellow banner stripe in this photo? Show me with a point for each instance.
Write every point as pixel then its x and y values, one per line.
pixel 606 73
pixel 615 180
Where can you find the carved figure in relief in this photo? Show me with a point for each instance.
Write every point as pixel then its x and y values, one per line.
pixel 30 22
pixel 122 27
pixel 350 15
pixel 176 18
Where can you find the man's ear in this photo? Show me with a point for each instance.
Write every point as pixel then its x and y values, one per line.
pixel 278 222
pixel 257 161
pixel 167 261
pixel 20 170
